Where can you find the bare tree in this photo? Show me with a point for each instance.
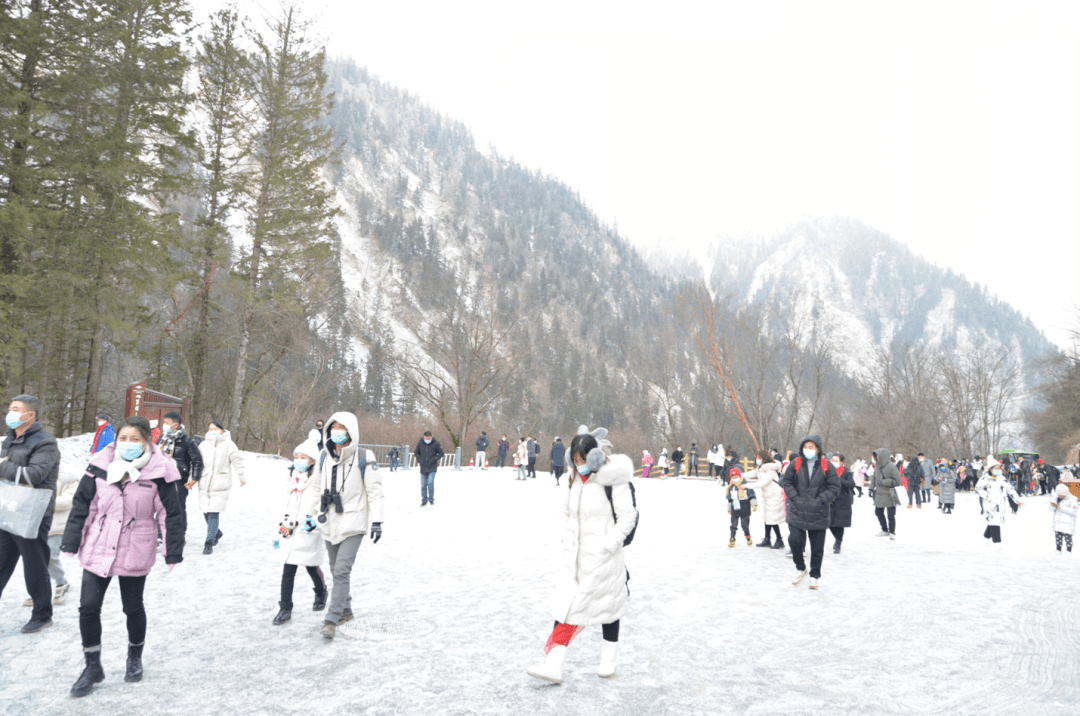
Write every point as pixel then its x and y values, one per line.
pixel 462 361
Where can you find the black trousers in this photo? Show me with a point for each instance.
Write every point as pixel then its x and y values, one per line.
pixel 35 559
pixel 837 533
pixel 182 493
pixel 768 533
pixel 797 543
pixel 914 493
pixel 691 466
pixel 500 461
pixel 993 532
pixel 889 526
pixel 288 579
pixel 744 518
pixel 532 467
pixel 93 596
pixel 557 471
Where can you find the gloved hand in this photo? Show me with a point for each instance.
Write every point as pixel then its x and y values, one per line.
pixel 376 532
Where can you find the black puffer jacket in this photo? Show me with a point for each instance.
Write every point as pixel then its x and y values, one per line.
pixel 37 456
pixel 809 497
pixel 181 448
pixel 428 455
pixel 914 473
pixel 841 506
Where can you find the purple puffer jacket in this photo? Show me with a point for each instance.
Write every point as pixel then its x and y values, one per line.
pixel 113 526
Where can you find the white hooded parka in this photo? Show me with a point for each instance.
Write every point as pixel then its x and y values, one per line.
pixel 356 478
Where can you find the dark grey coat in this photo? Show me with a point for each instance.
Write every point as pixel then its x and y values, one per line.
pixel 841 506
pixel 886 477
pixel 809 497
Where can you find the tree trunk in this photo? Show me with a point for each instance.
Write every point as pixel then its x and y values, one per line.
pixel 93 373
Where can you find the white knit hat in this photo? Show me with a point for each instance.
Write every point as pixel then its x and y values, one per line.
pixel 309 448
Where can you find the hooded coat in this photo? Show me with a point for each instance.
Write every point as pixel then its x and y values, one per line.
pixel 592 586
pixel 840 513
pixel 114 526
pixel 1065 513
pixel 946 486
pixel 995 492
pixel 809 495
pixel 353 473
pixel 884 479
pixel 302 547
pixel 221 462
pixel 765 481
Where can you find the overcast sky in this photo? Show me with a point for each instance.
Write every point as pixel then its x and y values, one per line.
pixel 952 126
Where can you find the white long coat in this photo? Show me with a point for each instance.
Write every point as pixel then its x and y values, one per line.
pixel 360 488
pixel 221 462
pixel 765 481
pixel 302 548
pixel 591 587
pixel 1064 514
pixel 995 492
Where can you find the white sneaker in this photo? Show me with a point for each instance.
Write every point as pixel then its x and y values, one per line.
pixel 882 533
pixel 798 576
pixel 552 668
pixel 892 535
pixel 61 593
pixel 609 652
pixel 813 583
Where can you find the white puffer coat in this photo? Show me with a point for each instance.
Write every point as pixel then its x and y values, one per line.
pixel 765 482
pixel 360 485
pixel 302 548
pixel 591 587
pixel 221 463
pixel 1064 514
pixel 995 492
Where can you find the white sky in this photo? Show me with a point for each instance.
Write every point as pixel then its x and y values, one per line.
pixel 952 126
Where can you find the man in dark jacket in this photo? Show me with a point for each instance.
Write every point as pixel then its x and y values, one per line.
pixel 482 443
pixel 504 448
pixel 692 460
pixel 558 459
pixel 30 455
pixel 914 473
pixel 811 486
pixel 428 453
pixel 1053 476
pixel 177 444
pixel 677 458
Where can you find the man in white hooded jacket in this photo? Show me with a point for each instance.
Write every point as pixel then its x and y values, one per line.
pixel 348 482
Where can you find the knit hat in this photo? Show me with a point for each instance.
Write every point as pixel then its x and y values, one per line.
pixel 309 448
pixel 1062 491
pixel 735 472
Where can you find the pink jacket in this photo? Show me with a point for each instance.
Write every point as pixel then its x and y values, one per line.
pixel 113 526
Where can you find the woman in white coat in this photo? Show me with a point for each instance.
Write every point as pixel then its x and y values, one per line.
pixel 592 585
pixel 221 462
pixel 996 492
pixel 765 481
pixel 299 540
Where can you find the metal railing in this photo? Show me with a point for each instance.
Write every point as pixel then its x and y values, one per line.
pixel 407 460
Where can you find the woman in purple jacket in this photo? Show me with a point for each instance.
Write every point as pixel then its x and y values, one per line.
pixel 127 488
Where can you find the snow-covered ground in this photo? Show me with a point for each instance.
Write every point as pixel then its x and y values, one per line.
pixel 452 607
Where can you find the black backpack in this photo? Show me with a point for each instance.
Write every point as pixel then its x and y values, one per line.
pixel 637 514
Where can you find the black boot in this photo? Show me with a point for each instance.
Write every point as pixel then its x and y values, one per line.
pixel 208 548
pixel 320 600
pixel 779 543
pixel 284 615
pixel 134 663
pixel 218 536
pixel 767 542
pixel 92 674
pixel 836 547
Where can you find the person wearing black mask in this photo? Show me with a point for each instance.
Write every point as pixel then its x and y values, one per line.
pixel 177 444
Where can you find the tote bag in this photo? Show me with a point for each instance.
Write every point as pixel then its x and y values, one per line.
pixel 22 506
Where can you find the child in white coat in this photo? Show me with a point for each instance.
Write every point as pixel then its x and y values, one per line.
pixel 299 540
pixel 1064 506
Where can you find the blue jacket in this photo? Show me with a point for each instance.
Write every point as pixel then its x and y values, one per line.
pixel 103 437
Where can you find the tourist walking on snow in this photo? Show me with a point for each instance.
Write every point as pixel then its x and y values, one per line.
pixel 504 448
pixel 913 472
pixel 31 456
pixel 713 458
pixel 558 458
pixel 521 459
pixel 692 460
pixel 127 495
pixel 661 463
pixel 999 496
pixel 946 488
pixel 1064 506
pixel 599 513
pixel 532 449
pixel 482 443
pixel 222 462
pixel 428 453
pixel 646 463
pixel 104 435
pixel 65 493
pixel 764 480
pixel 811 485
pixel 883 484
pixel 741 502
pixel 349 486
pixel 299 540
pixel 928 475
pixel 840 513
pixel 178 445
pixel 677 459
